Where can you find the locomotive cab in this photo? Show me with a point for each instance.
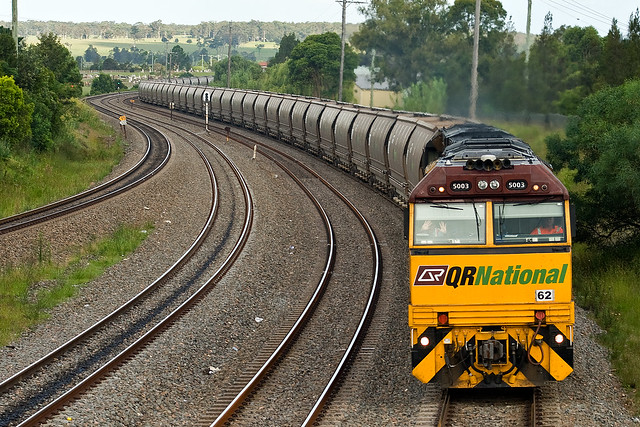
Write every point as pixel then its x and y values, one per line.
pixel 490 266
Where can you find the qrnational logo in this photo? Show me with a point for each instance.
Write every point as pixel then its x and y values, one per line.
pixel 439 275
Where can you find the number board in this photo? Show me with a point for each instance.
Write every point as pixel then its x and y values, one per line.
pixel 517 184
pixel 460 186
pixel 545 295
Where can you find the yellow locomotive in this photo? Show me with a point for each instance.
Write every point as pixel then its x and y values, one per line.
pixel 489 232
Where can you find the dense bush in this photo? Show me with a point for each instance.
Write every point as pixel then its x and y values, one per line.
pixel 601 148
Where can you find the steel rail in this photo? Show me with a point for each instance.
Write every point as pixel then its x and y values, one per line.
pixel 11 223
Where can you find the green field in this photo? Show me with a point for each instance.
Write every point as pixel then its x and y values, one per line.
pixel 78 47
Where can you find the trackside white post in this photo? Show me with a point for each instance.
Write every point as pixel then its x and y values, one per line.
pixel 255 150
pixel 206 116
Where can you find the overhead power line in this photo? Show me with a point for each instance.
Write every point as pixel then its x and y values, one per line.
pixel 583 13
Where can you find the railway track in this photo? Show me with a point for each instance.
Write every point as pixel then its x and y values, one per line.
pixel 501 407
pixel 155 158
pixel 73 367
pixel 250 389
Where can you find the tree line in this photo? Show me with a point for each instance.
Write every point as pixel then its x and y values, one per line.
pixel 426 45
pixel 207 31
pixel 310 67
pixel 36 86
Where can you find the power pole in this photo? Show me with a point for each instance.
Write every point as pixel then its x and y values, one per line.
pixel 14 22
pixel 371 71
pixel 528 30
pixel 474 66
pixel 344 30
pixel 229 59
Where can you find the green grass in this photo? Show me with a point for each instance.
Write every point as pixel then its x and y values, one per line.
pixel 606 283
pixel 28 292
pixel 86 153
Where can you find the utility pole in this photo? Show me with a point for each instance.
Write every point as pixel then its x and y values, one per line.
pixel 528 30
pixel 229 59
pixel 14 22
pixel 371 71
pixel 474 66
pixel 170 55
pixel 344 30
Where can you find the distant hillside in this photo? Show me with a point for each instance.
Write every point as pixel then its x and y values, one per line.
pixel 242 32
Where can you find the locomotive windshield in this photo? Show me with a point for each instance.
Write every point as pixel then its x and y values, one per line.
pixel 515 223
pixel 449 223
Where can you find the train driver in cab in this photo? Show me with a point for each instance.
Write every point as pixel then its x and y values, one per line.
pixel 548 226
pixel 429 229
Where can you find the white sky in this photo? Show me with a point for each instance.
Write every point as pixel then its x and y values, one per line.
pixel 570 12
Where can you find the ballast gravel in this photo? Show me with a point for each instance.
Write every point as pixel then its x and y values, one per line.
pixel 174 380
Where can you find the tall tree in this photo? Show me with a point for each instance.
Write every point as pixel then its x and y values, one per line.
pixel 612 68
pixel 8 55
pixel 156 28
pixel 583 50
pixel 633 44
pixel 546 68
pixel 91 54
pixel 418 41
pixel 496 46
pixel 40 88
pixel 244 73
pixel 314 65
pixel 405 36
pixel 287 44
pixel 180 59
pixel 59 60
pixel 104 83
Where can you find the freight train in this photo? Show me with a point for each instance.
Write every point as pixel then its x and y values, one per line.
pixel 488 224
pixel 388 149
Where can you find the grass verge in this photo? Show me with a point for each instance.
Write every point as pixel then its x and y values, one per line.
pixel 28 292
pixel 86 153
pixel 606 283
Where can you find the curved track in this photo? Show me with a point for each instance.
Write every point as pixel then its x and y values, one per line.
pixel 155 158
pixel 36 390
pixel 245 389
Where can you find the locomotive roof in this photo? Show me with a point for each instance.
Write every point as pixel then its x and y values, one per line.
pixel 470 140
pixel 476 152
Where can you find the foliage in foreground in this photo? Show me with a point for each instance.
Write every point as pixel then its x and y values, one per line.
pixel 601 148
pixel 28 292
pixel 606 284
pixel 87 150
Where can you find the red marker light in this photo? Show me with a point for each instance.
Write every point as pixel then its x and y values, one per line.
pixel 443 319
